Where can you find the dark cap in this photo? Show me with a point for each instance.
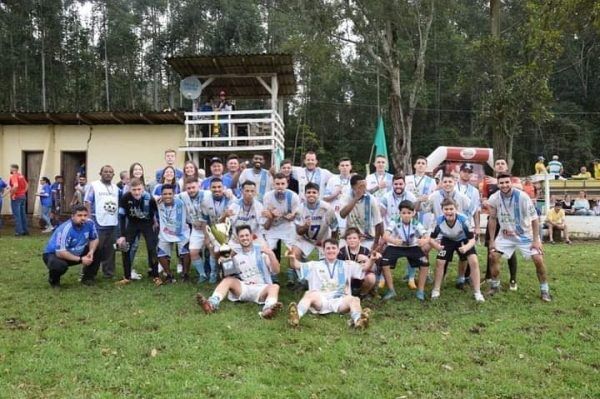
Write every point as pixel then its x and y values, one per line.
pixel 466 166
pixel 215 160
pixel 558 203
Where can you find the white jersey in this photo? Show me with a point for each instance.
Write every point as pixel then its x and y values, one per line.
pixel 262 179
pixel 462 202
pixel 515 214
pixel 318 176
pixel 286 203
pixel 373 181
pixel 420 185
pixel 409 233
pixel 180 183
pixel 333 280
pixel 249 215
pixel 172 220
pixel 192 205
pixel 389 205
pixel 472 194
pixel 212 208
pixel 254 266
pixel 104 199
pixel 337 182
pixel 365 215
pixel 322 221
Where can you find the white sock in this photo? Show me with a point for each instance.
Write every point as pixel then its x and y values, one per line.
pixel 269 303
pixel 302 309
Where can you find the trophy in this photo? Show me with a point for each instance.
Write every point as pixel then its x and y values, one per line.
pixel 218 234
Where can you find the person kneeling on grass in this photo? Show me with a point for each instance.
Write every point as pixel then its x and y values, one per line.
pixel 255 263
pixel 72 243
pixel 404 238
pixel 456 236
pixel 329 286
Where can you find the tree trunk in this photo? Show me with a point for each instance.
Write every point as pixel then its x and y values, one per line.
pixel 500 139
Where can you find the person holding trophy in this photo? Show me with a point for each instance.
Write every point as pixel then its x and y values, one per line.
pixel 250 278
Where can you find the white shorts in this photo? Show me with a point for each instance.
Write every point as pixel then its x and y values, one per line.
pixel 250 293
pixel 508 245
pixel 197 240
pixel 285 233
pixel 165 248
pixel 328 304
pixel 307 247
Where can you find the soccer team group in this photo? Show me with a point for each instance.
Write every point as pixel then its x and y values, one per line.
pixel 359 226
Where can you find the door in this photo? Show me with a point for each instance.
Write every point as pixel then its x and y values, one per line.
pixel 72 163
pixel 32 161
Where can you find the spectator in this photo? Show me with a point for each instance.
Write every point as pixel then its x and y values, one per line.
pixel 583 174
pixel 556 220
pixel 56 191
pixel 224 105
pixel 596 164
pixel 79 192
pixel 540 168
pixel 206 107
pixel 170 160
pixel 567 205
pixel 555 167
pixel 596 207
pixel 3 187
pixel 123 179
pixel 581 206
pixel 45 195
pixel 18 196
pixel 286 168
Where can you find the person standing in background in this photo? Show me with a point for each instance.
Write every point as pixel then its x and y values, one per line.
pixel 46 202
pixel 18 196
pixel 3 187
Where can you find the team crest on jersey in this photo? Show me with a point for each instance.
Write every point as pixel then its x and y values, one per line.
pixel 110 207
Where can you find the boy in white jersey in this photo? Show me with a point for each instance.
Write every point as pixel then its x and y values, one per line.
pixel 192 199
pixel 247 211
pixel 404 238
pixel 311 173
pixel 390 201
pixel 315 222
pixel 329 287
pixel 256 263
pixel 259 175
pixel 338 187
pixel 173 230
pixel 517 218
pixel 456 236
pixel 213 208
pixel 380 182
pixel 361 210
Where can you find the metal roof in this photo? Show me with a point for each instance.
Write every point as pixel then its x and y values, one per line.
pixel 236 73
pixel 92 118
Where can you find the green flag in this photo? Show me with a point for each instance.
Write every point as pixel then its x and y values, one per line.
pixel 380 144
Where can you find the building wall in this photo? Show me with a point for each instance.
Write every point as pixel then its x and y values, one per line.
pixel 116 145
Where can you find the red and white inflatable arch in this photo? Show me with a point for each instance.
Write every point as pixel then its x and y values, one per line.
pixel 460 154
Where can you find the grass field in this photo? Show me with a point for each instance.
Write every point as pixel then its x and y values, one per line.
pixel 145 342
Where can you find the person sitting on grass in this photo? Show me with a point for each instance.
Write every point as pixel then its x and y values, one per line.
pixel 72 243
pixel 556 220
pixel 404 238
pixel 329 286
pixel 357 253
pixel 456 236
pixel 256 263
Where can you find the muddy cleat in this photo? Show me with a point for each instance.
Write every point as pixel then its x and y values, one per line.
pixel 271 312
pixel 411 284
pixel 545 296
pixel 123 282
pixel 293 316
pixel 363 321
pixel 157 281
pixel 205 304
pixel 492 291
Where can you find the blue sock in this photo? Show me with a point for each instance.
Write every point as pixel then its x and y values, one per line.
pixel 355 316
pixel 420 295
pixel 460 279
pixel 544 287
pixel 412 271
pixel 214 300
pixel 199 266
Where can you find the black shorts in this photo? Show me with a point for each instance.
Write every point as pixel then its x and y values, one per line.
pixel 451 246
pixel 415 256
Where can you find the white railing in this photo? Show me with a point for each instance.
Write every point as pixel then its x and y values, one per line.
pixel 261 127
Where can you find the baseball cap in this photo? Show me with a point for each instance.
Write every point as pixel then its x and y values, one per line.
pixel 466 166
pixel 215 160
pixel 540 158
